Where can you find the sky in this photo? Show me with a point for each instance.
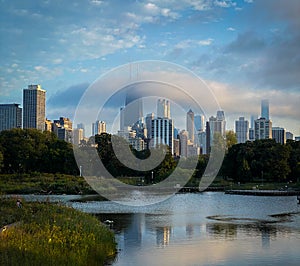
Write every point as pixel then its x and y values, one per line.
pixel 244 50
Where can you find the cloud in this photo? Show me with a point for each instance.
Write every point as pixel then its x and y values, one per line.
pixel 231 29
pixel 68 98
pixel 246 43
pixel 224 4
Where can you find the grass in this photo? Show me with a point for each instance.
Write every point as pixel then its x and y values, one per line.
pixel 51 234
pixel 43 183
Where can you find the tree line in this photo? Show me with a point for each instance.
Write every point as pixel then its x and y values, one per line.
pixel 29 150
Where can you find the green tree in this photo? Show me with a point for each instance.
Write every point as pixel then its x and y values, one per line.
pixel 230 139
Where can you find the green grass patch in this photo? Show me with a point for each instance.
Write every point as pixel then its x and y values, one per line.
pixel 51 234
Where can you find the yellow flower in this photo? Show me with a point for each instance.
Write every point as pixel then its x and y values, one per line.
pixel 49 241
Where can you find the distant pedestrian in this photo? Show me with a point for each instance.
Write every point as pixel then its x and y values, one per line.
pixel 19 203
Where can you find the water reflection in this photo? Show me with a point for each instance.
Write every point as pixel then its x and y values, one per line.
pixel 218 236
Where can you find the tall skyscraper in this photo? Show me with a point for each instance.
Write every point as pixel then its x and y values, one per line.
pixel 263 128
pixel 81 126
pixel 190 125
pixel 34 107
pixel 183 136
pixel 10 116
pixel 215 125
pixel 265 109
pixel 278 133
pixel 162 132
pixel 163 109
pixel 98 127
pixel 199 123
pixel 133 110
pixel 242 130
pixel 149 119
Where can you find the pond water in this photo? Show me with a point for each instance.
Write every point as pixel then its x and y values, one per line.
pixel 208 228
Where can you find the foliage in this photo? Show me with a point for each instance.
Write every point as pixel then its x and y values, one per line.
pixel 230 139
pixel 261 159
pixel 30 150
pixel 50 234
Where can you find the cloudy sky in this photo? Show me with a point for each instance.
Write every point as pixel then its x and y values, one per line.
pixel 245 50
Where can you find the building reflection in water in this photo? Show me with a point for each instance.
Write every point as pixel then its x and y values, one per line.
pixel 163 236
pixel 133 233
pixel 189 229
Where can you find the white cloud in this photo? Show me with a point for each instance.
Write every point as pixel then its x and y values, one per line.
pixel 206 42
pixel 231 29
pixel 96 2
pixel 224 4
pixel 57 61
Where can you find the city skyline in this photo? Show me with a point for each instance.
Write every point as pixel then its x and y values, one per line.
pixel 242 60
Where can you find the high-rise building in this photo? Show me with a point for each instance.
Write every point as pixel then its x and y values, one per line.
pixel 77 136
pixel 202 142
pixel 48 125
pixel 10 116
pixel 242 130
pixel 190 125
pixel 163 109
pixel 162 132
pixel 265 109
pixel 289 135
pixel 278 133
pixel 183 136
pixel 34 107
pixel 133 110
pixel 81 126
pixel 263 128
pixel 98 127
pixel 149 119
pixel 63 128
pixel 199 123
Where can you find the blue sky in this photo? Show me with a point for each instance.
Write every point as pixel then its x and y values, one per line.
pixel 244 50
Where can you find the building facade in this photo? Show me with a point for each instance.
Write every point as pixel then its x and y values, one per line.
pixel 265 109
pixel 34 107
pixel 163 109
pixel 242 130
pixel 190 125
pixel 262 128
pixel 278 133
pixel 98 127
pixel 10 116
pixel 162 132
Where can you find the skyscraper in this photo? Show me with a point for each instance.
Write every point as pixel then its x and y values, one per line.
pixel 98 127
pixel 133 110
pixel 199 122
pixel 262 128
pixel 34 107
pixel 242 130
pixel 190 125
pixel 163 109
pixel 265 109
pixel 10 116
pixel 162 132
pixel 279 134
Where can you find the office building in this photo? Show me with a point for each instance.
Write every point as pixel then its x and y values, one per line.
pixel 163 109
pixel 81 126
pixel 162 132
pixel 289 135
pixel 98 127
pixel 149 119
pixel 77 136
pixel 190 125
pixel 183 137
pixel 199 123
pixel 278 133
pixel 262 128
pixel 63 128
pixel 265 109
pixel 34 107
pixel 133 110
pixel 10 116
pixel 242 130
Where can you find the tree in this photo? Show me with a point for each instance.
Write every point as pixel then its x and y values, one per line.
pixel 230 139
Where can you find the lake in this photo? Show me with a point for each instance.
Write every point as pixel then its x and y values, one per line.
pixel 210 228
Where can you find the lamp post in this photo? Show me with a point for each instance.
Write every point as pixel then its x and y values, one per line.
pixel 152 177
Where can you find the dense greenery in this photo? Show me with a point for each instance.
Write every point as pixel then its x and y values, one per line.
pixel 50 234
pixel 30 150
pixel 263 159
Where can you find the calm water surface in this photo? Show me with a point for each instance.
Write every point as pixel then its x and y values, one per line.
pixel 205 229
